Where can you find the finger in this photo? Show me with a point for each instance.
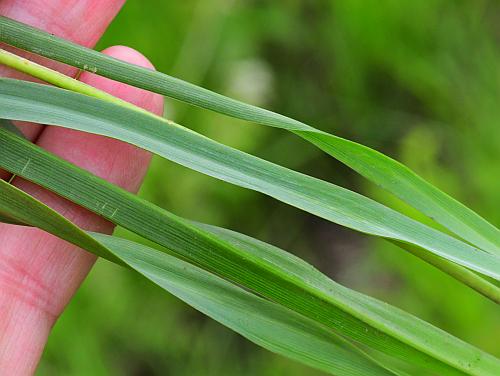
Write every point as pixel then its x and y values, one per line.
pixel 39 273
pixel 81 21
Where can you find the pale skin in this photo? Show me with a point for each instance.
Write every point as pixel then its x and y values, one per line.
pixel 38 272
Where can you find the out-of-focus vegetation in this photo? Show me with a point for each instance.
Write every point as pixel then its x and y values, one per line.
pixel 418 80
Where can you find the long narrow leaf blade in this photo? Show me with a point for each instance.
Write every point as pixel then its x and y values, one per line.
pixel 21 100
pixel 265 323
pixel 384 171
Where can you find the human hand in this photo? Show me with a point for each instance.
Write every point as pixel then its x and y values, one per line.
pixel 38 272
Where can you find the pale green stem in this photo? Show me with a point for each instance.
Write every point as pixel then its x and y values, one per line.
pixel 58 79
pixel 460 273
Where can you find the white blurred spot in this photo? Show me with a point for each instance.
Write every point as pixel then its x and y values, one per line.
pixel 250 81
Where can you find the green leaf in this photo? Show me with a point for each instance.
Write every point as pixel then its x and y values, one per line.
pixel 263 322
pixel 289 282
pixel 21 100
pixel 7 124
pixel 4 218
pixel 382 170
pixel 19 208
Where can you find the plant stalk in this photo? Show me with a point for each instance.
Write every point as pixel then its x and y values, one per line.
pixel 60 80
pixel 460 273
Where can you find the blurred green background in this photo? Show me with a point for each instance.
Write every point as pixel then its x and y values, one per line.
pixel 418 80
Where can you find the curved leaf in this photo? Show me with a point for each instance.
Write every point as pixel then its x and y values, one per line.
pixel 382 170
pixel 21 100
pixel 263 322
